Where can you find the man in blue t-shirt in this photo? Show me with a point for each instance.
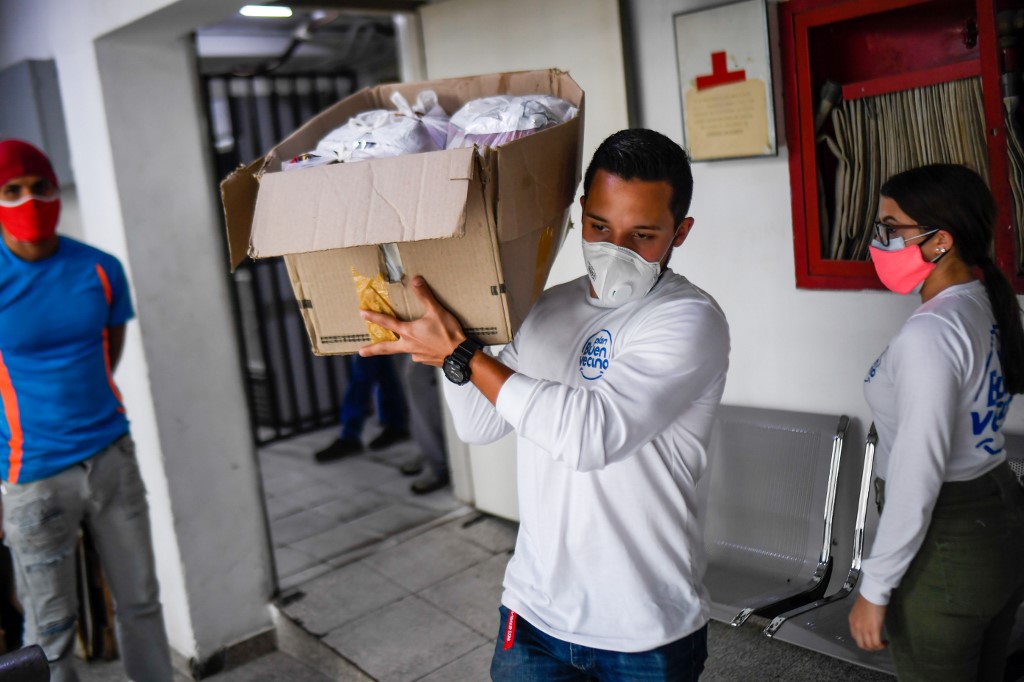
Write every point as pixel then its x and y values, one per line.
pixel 66 455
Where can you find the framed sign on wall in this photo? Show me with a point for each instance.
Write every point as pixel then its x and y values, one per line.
pixel 725 81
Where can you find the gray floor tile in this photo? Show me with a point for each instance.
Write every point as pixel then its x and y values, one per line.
pixel 301 449
pixel 354 506
pixel 109 671
pixel 324 492
pixel 298 526
pixel 274 465
pixel 473 667
pixel 403 641
pixel 441 501
pixel 280 507
pixel 335 541
pixel 304 576
pixel 342 595
pixel 288 482
pixel 359 472
pixel 428 558
pixel 491 533
pixel 275 667
pixel 290 561
pixel 397 454
pixel 472 596
pixel 395 518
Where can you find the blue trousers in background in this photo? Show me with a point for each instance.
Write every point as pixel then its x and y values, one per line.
pixel 365 374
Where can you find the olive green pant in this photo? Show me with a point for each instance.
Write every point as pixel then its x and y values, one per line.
pixel 952 614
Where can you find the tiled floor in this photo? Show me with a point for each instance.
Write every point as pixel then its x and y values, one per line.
pixel 380 584
pixel 407 588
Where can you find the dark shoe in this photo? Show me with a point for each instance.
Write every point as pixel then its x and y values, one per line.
pixel 430 482
pixel 388 437
pixel 343 447
pixel 412 467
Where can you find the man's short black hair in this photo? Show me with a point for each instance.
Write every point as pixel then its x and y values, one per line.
pixel 642 154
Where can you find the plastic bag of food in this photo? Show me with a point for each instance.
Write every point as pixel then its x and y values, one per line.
pixel 495 120
pixel 381 132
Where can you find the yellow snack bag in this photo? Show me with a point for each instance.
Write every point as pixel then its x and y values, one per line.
pixel 373 296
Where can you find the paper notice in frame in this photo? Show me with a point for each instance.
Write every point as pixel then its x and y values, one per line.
pixel 725 81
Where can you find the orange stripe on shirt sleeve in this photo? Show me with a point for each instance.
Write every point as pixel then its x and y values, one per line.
pixel 108 293
pixel 16 440
pixel 105 281
pixel 110 375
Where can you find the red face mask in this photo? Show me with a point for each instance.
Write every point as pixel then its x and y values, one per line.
pixel 32 220
pixel 30 217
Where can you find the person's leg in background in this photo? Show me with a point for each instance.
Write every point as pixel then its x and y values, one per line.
pixel 41 521
pixel 118 517
pixel 424 401
pixel 391 409
pixel 354 405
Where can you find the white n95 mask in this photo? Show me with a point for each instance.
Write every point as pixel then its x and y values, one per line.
pixel 618 275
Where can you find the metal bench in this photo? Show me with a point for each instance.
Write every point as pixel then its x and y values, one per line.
pixel 822 625
pixel 770 495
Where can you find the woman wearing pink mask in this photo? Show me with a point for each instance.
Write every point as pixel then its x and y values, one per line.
pixel 944 573
pixel 66 454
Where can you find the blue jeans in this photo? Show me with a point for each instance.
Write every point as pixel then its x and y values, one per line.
pixel 536 657
pixel 365 374
pixel 41 522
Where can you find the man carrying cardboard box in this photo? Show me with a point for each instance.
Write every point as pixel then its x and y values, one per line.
pixel 611 385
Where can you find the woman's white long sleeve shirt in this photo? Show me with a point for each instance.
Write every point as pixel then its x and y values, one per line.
pixel 938 401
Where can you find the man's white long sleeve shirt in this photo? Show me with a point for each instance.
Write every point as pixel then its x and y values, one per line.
pixel 612 409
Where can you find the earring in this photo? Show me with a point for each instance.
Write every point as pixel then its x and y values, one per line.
pixel 942 249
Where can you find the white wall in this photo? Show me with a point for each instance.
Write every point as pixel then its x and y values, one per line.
pixel 583 37
pixel 146 194
pixel 791 348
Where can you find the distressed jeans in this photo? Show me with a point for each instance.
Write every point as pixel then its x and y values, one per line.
pixel 41 527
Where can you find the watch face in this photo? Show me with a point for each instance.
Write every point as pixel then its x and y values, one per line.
pixel 454 372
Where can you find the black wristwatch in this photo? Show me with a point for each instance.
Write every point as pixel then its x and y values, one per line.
pixel 456 365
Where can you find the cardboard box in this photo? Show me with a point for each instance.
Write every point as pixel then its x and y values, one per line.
pixel 482 228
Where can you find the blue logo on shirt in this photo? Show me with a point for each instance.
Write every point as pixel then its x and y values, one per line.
pixel 874 368
pixel 997 401
pixel 595 355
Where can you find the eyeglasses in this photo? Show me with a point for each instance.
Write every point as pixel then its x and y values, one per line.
pixel 884 232
pixel 17 192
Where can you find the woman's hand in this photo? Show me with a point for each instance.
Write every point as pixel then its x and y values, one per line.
pixel 866 621
pixel 429 340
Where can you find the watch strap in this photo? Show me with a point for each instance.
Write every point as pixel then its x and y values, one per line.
pixel 464 352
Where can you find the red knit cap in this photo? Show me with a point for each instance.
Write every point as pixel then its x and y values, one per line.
pixel 18 159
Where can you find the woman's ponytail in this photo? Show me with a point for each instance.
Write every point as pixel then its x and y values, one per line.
pixel 1006 310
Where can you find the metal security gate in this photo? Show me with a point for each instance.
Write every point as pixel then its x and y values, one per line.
pixel 290 390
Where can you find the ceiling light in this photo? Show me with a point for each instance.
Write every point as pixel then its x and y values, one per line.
pixel 265 11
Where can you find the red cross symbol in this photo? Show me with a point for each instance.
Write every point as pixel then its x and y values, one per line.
pixel 720 73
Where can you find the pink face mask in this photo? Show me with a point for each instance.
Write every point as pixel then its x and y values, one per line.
pixel 901 268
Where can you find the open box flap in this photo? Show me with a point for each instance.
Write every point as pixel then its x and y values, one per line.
pixel 401 199
pixel 238 192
